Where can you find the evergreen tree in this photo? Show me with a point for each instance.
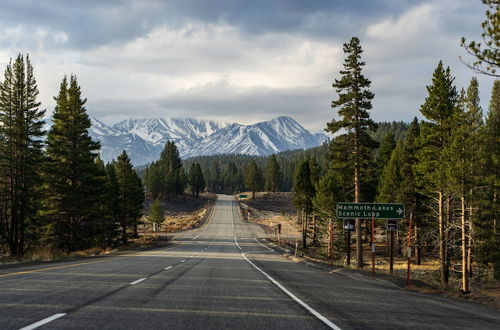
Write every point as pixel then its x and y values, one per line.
pixel 273 174
pixel 304 191
pixel 112 201
pixel 354 102
pixel 131 195
pixel 435 138
pixel 156 213
pixel 253 177
pixel 21 136
pixel 386 147
pixel 166 177
pixel 487 54
pixel 196 179
pixel 73 182
pixel 488 222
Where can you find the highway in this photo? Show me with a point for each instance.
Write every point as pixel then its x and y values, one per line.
pixel 223 275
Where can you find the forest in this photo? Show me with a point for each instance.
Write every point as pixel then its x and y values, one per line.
pixel 55 192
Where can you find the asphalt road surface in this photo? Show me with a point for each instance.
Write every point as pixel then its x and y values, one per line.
pixel 220 276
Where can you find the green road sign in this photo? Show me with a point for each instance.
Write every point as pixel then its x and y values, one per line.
pixel 243 196
pixel 367 210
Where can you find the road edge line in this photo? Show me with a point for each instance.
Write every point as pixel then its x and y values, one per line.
pixel 294 297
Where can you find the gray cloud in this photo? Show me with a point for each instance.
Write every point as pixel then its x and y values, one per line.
pixel 238 60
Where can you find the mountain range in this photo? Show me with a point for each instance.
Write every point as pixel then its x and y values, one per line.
pixel 144 138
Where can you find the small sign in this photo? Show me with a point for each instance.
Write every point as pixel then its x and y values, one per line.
pixel 243 196
pixel 392 225
pixel 369 210
pixel 348 225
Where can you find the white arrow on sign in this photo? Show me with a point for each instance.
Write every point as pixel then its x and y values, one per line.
pixel 399 211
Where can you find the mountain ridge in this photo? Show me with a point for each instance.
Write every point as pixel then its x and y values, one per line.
pixel 144 138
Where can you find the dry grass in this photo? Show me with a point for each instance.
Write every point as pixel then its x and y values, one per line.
pixel 46 254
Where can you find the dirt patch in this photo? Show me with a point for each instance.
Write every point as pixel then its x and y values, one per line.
pixel 280 202
pixel 180 213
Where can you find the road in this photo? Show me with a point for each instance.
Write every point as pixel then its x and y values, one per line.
pixel 220 276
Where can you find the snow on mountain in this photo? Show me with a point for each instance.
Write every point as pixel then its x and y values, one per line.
pixel 144 139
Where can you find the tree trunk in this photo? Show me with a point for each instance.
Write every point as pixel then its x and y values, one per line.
pixel 124 234
pixel 359 242
pixel 418 256
pixel 465 273
pixel 442 241
pixel 330 241
pixel 304 230
pixel 469 240
pixel 315 241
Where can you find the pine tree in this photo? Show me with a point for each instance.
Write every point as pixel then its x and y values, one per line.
pixel 354 102
pixel 253 177
pixel 131 195
pixel 196 179
pixel 488 222
pixel 386 147
pixel 435 136
pixel 156 213
pixel 73 183
pixel 273 174
pixel 112 201
pixel 487 54
pixel 304 191
pixel 391 177
pixel 21 136
pixel 166 177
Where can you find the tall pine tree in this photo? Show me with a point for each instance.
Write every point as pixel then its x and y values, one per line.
pixel 435 139
pixel 131 195
pixel 273 174
pixel 73 182
pixel 21 136
pixel 353 103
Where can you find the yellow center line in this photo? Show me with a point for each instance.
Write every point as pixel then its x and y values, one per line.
pixel 82 263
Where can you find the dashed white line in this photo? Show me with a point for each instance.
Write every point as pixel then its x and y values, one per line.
pixel 167 268
pixel 195 237
pixel 43 322
pixel 138 281
pixel 183 260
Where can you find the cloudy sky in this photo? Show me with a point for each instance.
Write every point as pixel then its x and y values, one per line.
pixel 238 60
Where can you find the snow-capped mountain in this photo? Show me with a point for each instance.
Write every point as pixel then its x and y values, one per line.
pixel 144 139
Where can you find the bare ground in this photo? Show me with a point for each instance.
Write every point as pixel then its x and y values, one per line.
pixel 181 213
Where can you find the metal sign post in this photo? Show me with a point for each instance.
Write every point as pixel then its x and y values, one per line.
pixel 408 278
pixel 373 245
pixel 348 228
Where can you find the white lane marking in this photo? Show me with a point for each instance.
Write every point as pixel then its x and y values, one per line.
pixel 291 295
pixel 235 241
pixel 167 268
pixel 43 322
pixel 191 256
pixel 195 237
pixel 183 260
pixel 138 281
pixel 267 247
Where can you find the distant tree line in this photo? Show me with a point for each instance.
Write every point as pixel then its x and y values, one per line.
pixel 54 190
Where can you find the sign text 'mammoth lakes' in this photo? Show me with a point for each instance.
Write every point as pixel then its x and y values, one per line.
pixel 367 210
